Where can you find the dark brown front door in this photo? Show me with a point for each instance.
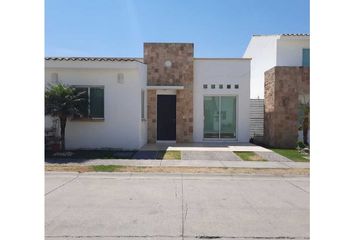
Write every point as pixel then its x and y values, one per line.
pixel 166 117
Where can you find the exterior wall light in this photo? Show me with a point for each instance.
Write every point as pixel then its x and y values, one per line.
pixel 168 64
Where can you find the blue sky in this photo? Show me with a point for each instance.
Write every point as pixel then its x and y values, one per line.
pixel 118 28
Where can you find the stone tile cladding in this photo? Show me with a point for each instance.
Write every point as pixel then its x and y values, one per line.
pixel 282 87
pixel 180 73
pixel 152 115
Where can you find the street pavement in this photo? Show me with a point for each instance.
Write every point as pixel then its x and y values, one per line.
pixel 111 206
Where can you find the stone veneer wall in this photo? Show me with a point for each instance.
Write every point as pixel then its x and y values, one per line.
pixel 152 115
pixel 180 73
pixel 282 87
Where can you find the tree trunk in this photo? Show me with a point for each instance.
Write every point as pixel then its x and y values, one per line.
pixel 62 132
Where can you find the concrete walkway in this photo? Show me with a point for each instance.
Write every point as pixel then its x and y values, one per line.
pixel 222 151
pixel 190 163
pixel 210 156
pixel 205 146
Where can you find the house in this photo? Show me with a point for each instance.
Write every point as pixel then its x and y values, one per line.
pixel 280 73
pixel 166 96
pixel 268 51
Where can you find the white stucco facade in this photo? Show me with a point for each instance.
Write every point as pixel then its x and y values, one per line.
pixel 122 126
pixel 268 51
pixel 124 83
pixel 222 71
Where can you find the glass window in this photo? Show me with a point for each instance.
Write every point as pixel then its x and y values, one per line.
pixel 221 86
pixel 228 117
pixel 219 117
pixel 92 105
pixel 228 86
pixel 83 104
pixel 205 86
pixel 142 104
pixel 306 57
pixel 212 86
pixel 211 117
pixel 96 103
pixel 236 86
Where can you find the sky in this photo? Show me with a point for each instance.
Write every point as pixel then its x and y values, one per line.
pixel 118 28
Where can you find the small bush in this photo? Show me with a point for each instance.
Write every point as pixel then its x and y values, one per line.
pixel 301 144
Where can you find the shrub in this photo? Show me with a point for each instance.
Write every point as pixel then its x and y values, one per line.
pixel 301 144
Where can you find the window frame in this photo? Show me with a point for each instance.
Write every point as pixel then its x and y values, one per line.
pixel 306 57
pixel 142 103
pixel 89 117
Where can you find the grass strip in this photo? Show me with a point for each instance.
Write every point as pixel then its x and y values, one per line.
pixel 250 156
pixel 169 155
pixel 292 154
pixel 106 168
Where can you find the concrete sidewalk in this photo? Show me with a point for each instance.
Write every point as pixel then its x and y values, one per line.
pixel 189 163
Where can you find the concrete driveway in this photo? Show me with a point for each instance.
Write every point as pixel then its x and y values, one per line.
pixel 209 155
pixel 181 206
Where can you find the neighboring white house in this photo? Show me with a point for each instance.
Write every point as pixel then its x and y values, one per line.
pixel 268 51
pixel 168 95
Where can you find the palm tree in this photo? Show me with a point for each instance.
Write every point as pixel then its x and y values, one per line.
pixel 62 101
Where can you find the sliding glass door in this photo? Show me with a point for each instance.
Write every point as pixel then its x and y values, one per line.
pixel 219 117
pixel 211 117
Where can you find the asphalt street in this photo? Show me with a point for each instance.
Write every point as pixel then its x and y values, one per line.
pixel 109 206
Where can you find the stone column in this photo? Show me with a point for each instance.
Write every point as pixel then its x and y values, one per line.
pixel 282 87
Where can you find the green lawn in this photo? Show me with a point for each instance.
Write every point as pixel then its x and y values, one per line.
pixel 292 154
pixel 106 168
pixel 249 156
pixel 169 155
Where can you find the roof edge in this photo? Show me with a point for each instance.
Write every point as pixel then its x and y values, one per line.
pixel 95 59
pixel 223 58
pixel 169 43
pixel 283 34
